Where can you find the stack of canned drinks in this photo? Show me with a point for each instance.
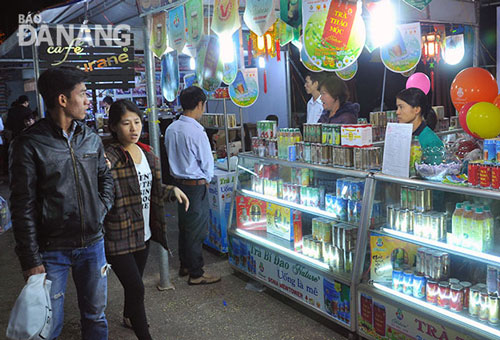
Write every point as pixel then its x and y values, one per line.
pixel 333 243
pixel 345 203
pixel 313 133
pixel 414 215
pixel 209 120
pixel 379 121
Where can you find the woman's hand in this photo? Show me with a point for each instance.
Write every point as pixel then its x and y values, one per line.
pixel 181 197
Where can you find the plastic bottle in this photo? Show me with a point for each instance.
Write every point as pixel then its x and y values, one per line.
pixel 467 221
pixel 477 237
pixel 415 155
pixel 280 144
pixel 489 226
pixel 456 224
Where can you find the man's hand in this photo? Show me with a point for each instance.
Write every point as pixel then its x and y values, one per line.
pixel 181 197
pixel 32 271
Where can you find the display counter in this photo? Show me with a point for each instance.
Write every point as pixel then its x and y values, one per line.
pixel 434 263
pixel 296 230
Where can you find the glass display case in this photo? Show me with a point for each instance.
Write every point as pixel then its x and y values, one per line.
pixel 296 230
pixel 432 268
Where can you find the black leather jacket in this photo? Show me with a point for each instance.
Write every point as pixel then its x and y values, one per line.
pixel 60 191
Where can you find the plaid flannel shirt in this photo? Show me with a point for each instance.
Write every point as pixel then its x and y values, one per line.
pixel 124 223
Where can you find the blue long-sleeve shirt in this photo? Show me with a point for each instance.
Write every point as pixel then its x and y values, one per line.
pixel 188 150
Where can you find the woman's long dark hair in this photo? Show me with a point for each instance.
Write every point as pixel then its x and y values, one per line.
pixel 118 109
pixel 417 98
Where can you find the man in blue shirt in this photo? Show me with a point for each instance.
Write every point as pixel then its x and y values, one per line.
pixel 192 165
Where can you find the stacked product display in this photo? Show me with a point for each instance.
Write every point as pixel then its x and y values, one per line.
pixel 216 120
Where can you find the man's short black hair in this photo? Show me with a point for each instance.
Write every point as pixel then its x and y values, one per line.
pixel 108 100
pixel 191 96
pixel 22 99
pixel 59 80
pixel 316 77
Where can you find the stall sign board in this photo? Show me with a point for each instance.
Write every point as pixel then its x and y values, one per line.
pixel 381 320
pixel 294 279
pixel 108 64
pixel 259 15
pixel 291 12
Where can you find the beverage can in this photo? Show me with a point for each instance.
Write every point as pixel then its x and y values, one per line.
pixel 419 286
pixel 408 282
pixel 299 149
pixel 431 291
pixel 443 299
pixel 420 261
pixel 493 308
pixel 483 306
pixel 411 198
pixel 467 286
pixel 307 152
pixel 495 176
pixel 420 199
pixel 397 280
pixel 491 279
pixel 292 153
pixel 390 216
pixel 404 198
pixel 397 219
pixel 404 220
pixel 473 174
pixel 484 175
pixel 418 227
pixel 428 199
pixel 474 301
pixel 456 298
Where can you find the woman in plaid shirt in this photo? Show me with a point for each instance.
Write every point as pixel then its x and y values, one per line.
pixel 138 212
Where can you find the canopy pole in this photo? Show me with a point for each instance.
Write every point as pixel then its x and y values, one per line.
pixel 383 90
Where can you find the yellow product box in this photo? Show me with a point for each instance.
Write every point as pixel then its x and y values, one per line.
pixel 285 223
pixel 356 135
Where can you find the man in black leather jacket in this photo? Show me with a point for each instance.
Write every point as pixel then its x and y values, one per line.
pixel 61 189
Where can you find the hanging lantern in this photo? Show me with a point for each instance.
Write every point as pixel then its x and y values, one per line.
pixel 431 47
pixel 265 44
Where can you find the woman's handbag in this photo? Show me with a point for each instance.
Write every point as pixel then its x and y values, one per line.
pixel 31 317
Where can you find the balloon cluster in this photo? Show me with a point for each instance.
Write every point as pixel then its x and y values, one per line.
pixel 474 93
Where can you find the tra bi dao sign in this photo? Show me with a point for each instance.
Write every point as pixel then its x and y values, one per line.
pixel 106 52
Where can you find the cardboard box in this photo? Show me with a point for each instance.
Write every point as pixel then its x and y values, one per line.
pixel 357 135
pixel 219 199
pixel 250 213
pixel 285 223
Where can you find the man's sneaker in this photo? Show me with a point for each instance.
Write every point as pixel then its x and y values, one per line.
pixel 205 279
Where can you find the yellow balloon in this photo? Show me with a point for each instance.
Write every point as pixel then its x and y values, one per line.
pixel 483 119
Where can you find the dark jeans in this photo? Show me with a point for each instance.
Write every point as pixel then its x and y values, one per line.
pixel 129 268
pixel 193 228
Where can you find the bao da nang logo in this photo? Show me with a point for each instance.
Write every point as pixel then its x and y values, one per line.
pixel 33 31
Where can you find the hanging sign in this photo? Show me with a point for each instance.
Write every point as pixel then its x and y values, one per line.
pixel 349 72
pixel 176 29
pixel 158 34
pixel 418 4
pixel 285 32
pixel 259 15
pixel 304 58
pixel 321 52
pixel 229 72
pixel 194 25
pixel 226 18
pixel 170 76
pixel 339 23
pixel 244 90
pixel 291 12
pixel 149 5
pixel 209 68
pixel 403 53
pixel 190 80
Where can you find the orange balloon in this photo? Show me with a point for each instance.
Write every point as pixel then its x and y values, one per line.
pixel 474 84
pixel 496 101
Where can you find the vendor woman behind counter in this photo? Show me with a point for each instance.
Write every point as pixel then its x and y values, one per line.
pixel 413 108
pixel 337 110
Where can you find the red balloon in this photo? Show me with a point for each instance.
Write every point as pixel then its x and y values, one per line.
pixel 473 84
pixel 462 118
pixel 496 101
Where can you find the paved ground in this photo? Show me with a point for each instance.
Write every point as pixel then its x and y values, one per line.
pixel 226 310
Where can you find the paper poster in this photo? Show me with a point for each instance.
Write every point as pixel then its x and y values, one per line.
pixel 349 72
pixel 339 23
pixel 194 23
pixel 303 283
pixel 322 53
pixel 226 19
pixel 259 15
pixel 176 29
pixel 291 12
pixel 244 90
pixel 403 53
pixel 384 320
pixel 158 34
pixel 209 68
pixel 396 161
pixel 285 32
pixel 170 76
pixel 304 58
pixel 418 4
